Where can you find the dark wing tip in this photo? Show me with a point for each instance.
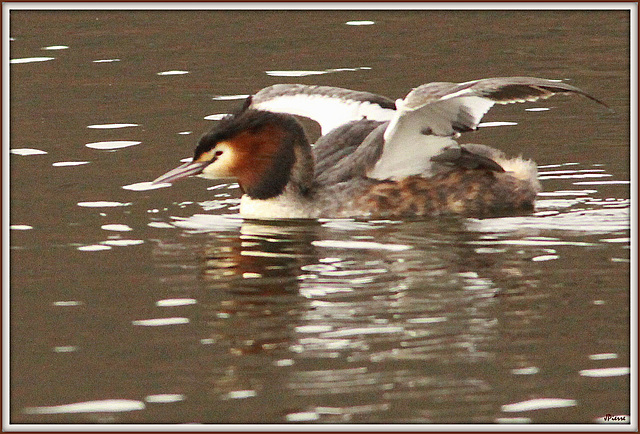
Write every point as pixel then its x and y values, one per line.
pixel 572 89
pixel 512 89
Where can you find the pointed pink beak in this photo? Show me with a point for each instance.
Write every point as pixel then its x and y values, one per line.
pixel 182 171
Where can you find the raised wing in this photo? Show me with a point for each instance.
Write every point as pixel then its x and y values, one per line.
pixel 331 107
pixel 429 118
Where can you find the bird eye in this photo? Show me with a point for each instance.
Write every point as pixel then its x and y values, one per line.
pixel 215 156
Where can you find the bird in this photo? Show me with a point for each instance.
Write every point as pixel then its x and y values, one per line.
pixel 375 158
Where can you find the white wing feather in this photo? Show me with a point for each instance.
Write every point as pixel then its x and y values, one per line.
pixel 331 107
pixel 421 125
pixel 429 118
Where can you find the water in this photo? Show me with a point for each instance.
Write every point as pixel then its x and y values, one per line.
pixel 163 306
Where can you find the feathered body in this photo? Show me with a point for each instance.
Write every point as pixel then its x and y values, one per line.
pixel 375 158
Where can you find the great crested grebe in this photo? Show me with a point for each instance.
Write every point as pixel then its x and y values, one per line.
pixel 375 158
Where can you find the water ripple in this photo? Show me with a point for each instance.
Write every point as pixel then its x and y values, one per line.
pixel 103 406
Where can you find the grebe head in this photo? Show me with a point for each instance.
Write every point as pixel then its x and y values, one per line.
pixel 264 151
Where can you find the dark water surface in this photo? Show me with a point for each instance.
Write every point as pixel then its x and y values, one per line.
pixel 162 306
